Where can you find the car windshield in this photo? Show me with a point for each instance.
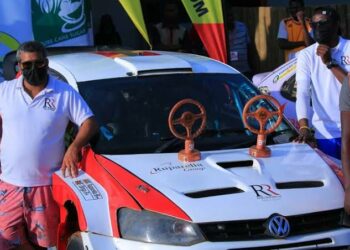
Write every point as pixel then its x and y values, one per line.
pixel 133 112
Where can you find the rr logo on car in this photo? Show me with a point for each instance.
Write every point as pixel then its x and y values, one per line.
pixel 264 191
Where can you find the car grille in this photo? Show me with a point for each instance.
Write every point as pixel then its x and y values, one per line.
pixel 255 229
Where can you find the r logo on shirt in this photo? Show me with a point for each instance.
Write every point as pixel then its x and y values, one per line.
pixel 49 104
pixel 345 60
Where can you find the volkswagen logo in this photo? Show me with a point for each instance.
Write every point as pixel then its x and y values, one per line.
pixel 277 226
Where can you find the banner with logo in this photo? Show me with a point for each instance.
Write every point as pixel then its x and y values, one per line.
pixel 134 10
pixel 52 22
pixel 57 21
pixel 207 18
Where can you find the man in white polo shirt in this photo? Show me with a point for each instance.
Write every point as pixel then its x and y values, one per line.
pixel 35 111
pixel 320 71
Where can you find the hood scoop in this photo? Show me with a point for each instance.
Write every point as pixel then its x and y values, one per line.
pixel 214 192
pixel 235 164
pixel 299 184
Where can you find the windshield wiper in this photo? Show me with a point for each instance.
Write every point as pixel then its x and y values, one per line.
pixel 283 136
pixel 169 142
pixel 225 131
pixel 247 142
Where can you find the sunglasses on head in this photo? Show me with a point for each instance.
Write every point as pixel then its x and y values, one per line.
pixel 32 64
pixel 321 23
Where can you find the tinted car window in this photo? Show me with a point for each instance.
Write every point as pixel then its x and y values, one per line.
pixel 289 89
pixel 133 112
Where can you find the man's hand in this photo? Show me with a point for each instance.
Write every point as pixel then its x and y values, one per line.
pixel 70 161
pixel 306 136
pixel 324 52
pixel 301 16
pixel 73 154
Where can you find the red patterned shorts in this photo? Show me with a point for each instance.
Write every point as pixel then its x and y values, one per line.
pixel 27 214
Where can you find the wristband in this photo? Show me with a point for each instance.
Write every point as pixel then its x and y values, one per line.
pixel 331 64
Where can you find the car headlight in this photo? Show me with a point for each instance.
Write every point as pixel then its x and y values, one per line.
pixel 156 228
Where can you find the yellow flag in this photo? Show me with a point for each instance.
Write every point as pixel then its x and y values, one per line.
pixel 133 8
pixel 204 11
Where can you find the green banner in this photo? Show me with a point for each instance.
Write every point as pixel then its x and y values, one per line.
pixel 55 21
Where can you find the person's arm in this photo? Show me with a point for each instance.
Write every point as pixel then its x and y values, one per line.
pixel 305 133
pixel 339 73
pixel 324 52
pixel 344 106
pixel 308 40
pixel 303 100
pixel 345 155
pixel 73 154
pixel 282 38
pixel 285 44
pixel 80 114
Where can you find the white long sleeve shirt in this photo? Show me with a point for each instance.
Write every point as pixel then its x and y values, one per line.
pixel 317 83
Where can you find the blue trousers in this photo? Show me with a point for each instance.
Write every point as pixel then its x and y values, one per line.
pixel 331 147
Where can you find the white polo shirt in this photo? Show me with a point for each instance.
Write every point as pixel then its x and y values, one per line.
pixel 317 82
pixel 32 145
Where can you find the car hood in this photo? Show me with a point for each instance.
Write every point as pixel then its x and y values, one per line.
pixel 231 184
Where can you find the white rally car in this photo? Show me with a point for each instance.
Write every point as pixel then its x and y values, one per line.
pixel 280 83
pixel 135 191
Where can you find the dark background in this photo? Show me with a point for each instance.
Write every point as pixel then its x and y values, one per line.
pixel 261 17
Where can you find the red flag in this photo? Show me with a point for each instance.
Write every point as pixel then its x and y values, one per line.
pixel 207 18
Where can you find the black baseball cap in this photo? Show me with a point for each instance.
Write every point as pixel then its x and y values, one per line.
pixel 330 12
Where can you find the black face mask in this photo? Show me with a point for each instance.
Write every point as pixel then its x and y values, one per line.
pixel 324 32
pixel 35 76
pixel 323 36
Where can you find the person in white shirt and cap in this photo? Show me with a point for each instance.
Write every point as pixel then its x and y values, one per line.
pixel 320 71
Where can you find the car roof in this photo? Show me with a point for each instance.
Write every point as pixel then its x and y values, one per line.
pixel 93 65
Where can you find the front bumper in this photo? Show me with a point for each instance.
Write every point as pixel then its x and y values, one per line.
pixel 329 239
